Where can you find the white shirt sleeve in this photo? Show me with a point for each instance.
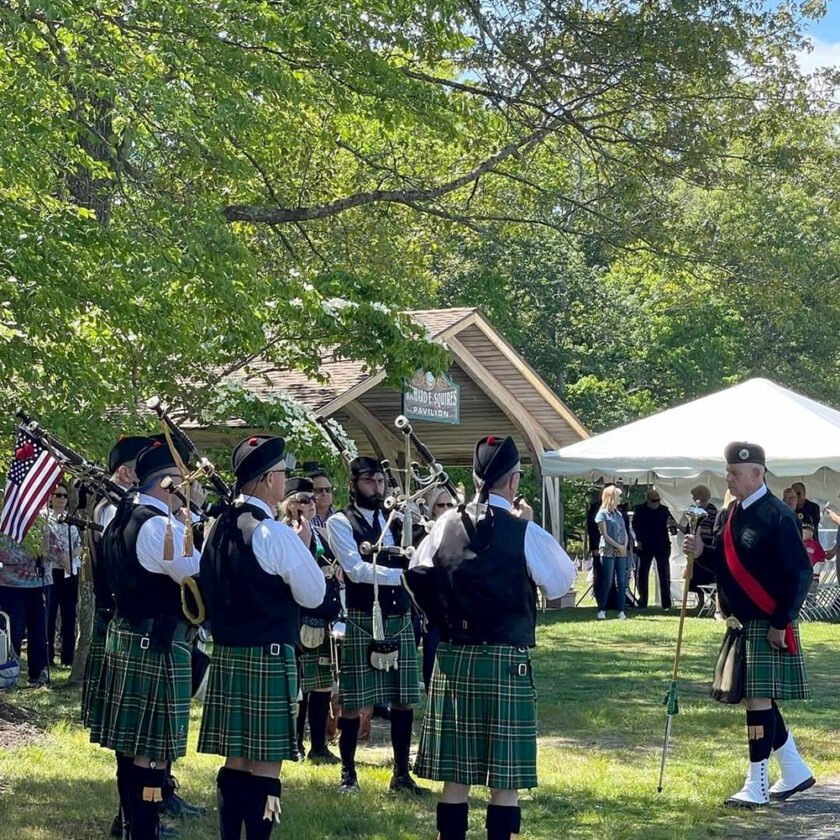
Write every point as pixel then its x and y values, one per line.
pixel 343 545
pixel 548 565
pixel 150 550
pixel 107 514
pixel 280 551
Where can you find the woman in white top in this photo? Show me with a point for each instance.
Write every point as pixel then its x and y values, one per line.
pixel 613 550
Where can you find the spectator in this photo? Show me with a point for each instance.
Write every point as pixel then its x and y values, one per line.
pixel 650 523
pixel 806 510
pixel 789 498
pixel 612 548
pixel 323 499
pixel 25 585
pixel 65 554
pixel 816 553
pixel 702 576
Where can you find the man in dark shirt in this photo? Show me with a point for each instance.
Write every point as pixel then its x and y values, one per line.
pixel 650 524
pixel 806 510
pixel 763 575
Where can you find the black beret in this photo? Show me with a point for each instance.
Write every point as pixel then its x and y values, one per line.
pixel 255 456
pixel 493 458
pixel 298 485
pixel 153 459
pixel 365 466
pixel 740 452
pixel 126 450
pixel 182 449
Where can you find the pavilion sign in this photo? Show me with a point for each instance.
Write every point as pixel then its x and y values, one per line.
pixel 436 399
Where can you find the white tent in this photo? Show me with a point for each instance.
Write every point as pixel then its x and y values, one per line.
pixel 683 446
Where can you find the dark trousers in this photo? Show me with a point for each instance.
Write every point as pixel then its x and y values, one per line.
pixel 27 609
pixel 611 568
pixel 64 597
pixel 662 555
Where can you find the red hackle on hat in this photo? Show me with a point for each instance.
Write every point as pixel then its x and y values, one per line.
pixel 491 440
pixel 253 442
pixel 156 444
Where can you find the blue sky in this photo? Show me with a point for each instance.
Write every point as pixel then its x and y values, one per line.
pixel 825 33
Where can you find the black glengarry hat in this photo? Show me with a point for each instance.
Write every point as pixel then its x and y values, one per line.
pixel 153 459
pixel 741 452
pixel 126 450
pixel 363 465
pixel 298 485
pixel 493 458
pixel 180 448
pixel 255 456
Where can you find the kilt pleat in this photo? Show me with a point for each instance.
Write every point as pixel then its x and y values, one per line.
pixel 91 710
pixel 480 725
pixel 145 696
pixel 251 704
pixel 314 671
pixel 771 673
pixel 363 685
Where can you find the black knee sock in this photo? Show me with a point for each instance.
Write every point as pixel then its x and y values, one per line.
pixel 319 709
pixel 780 736
pixel 256 806
pixel 502 822
pixel 452 819
pixel 124 782
pixel 301 718
pixel 347 742
pixel 761 728
pixel 231 790
pixel 146 796
pixel 401 723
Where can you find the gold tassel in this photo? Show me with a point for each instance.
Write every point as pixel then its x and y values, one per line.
pixel 152 794
pixel 272 808
pixel 188 531
pixel 169 542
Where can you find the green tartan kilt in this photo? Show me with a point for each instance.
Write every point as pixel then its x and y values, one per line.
pixel 363 685
pixel 314 671
pixel 145 696
pixel 91 684
pixel 251 704
pixel 772 673
pixel 480 725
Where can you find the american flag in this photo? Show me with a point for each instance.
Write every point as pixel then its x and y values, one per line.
pixel 32 477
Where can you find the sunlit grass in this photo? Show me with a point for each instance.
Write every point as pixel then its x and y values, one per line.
pixel 600 688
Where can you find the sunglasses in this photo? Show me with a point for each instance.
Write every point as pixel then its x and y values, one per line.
pixel 304 500
pixel 59 495
pixel 445 504
pixel 322 491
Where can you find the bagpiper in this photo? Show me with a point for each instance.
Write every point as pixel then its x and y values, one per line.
pixel 763 575
pixel 146 680
pixel 315 666
pixel 476 577
pixel 255 573
pixel 365 679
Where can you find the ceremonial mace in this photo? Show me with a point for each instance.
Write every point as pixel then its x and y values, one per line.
pixel 694 514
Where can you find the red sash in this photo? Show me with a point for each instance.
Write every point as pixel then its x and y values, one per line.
pixel 755 591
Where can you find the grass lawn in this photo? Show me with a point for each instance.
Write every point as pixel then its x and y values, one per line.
pixel 600 688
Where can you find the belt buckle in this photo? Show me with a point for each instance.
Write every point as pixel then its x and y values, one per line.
pixel 144 643
pixel 522 669
pixel 274 649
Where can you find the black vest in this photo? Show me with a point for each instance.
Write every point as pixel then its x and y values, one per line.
pixel 393 600
pixel 138 593
pixel 247 607
pixel 486 594
pixel 330 607
pixel 103 598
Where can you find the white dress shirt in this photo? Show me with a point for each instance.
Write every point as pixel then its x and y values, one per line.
pixel 343 545
pixel 106 514
pixel 548 565
pixel 280 551
pixel 754 497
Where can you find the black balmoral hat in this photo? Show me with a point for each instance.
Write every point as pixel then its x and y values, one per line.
pixel 298 485
pixel 363 465
pixel 255 456
pixel 126 450
pixel 741 452
pixel 493 458
pixel 153 459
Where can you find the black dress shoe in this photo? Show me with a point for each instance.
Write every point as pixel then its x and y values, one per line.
pixel 175 807
pixel 116 826
pixel 406 783
pixel 323 756
pixel 349 782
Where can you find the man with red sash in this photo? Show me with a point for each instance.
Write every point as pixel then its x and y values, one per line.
pixel 763 575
